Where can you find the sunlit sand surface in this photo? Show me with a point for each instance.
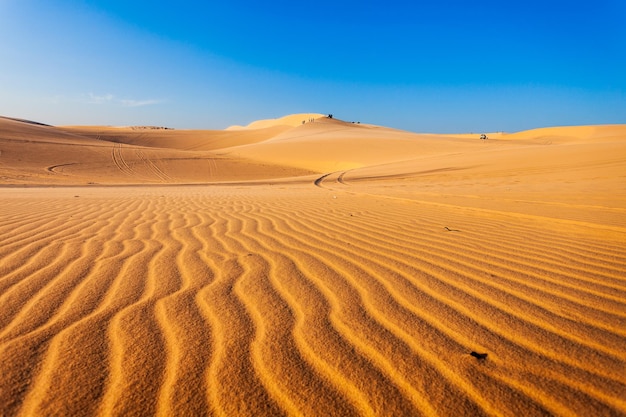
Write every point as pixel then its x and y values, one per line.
pixel 325 268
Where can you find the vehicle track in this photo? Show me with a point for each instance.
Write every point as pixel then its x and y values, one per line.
pixel 154 169
pixel 53 168
pixel 118 160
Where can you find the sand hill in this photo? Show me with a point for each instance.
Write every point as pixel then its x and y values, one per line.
pixel 324 268
pixel 291 120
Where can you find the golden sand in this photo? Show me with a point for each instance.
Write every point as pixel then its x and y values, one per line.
pixel 321 269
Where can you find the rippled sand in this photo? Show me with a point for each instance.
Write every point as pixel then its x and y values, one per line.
pixel 289 288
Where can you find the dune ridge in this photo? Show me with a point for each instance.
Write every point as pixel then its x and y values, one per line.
pixel 430 275
pixel 291 120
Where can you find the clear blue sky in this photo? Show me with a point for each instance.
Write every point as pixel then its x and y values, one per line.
pixel 436 66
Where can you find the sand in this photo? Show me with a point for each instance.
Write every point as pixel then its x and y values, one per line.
pixel 321 269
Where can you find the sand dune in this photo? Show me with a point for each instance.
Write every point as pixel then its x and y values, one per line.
pixel 43 155
pixel 291 120
pixel 319 269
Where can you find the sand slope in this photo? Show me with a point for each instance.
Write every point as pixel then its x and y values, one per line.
pixel 291 120
pixel 362 289
pixel 44 155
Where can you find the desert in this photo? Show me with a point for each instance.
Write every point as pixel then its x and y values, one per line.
pixel 311 266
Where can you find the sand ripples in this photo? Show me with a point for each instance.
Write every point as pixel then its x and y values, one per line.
pixel 300 301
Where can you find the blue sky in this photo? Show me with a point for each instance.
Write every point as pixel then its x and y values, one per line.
pixel 437 66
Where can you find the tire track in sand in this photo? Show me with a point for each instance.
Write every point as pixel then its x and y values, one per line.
pixel 119 161
pixel 153 168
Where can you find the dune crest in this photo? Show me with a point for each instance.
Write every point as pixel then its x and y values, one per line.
pixel 325 268
pixel 291 120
